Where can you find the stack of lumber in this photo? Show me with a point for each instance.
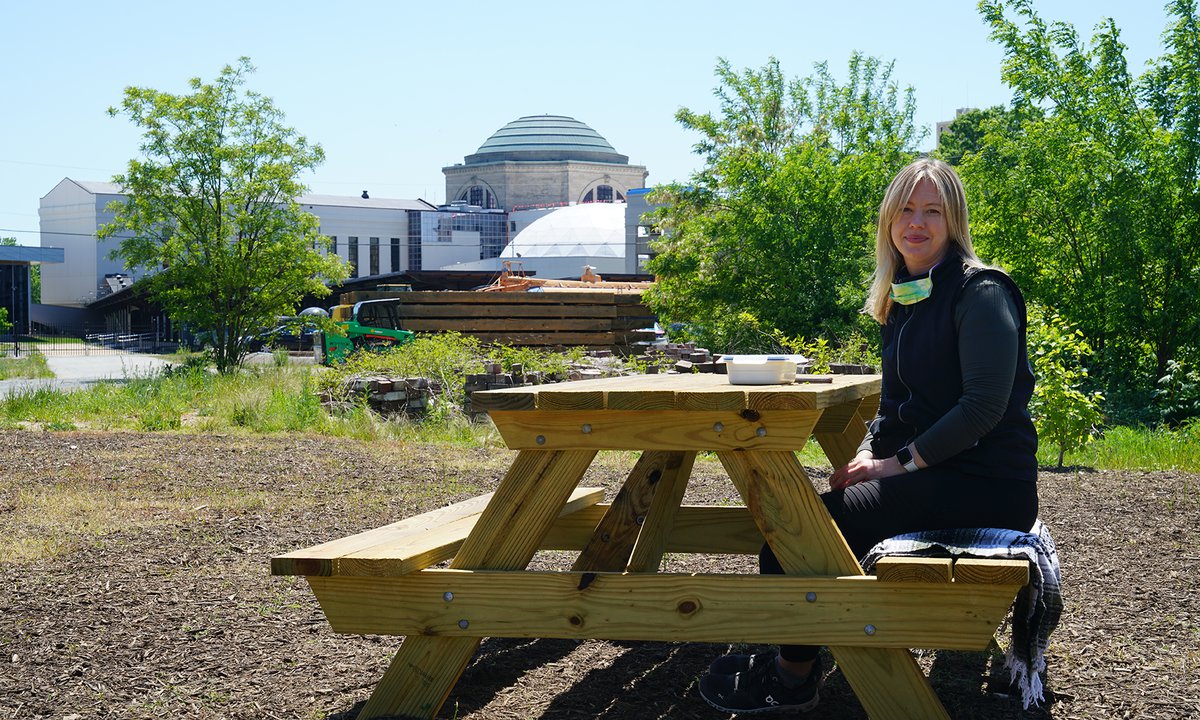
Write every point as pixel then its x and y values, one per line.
pixel 612 319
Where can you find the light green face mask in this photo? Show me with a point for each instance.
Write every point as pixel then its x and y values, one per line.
pixel 913 291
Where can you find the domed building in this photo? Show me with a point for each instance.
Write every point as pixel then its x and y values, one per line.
pixel 542 161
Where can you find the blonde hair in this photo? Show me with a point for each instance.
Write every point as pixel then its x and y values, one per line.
pixel 887 258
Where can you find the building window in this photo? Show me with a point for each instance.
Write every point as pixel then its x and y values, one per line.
pixel 395 254
pixel 603 193
pixel 333 244
pixel 14 295
pixel 414 241
pixel 374 256
pixel 352 247
pixel 512 226
pixel 479 195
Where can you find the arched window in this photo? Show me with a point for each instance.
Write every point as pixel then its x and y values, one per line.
pixel 603 193
pixel 479 195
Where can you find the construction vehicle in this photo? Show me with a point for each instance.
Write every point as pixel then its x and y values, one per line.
pixel 370 324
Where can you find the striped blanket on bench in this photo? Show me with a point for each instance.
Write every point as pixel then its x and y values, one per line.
pixel 1038 605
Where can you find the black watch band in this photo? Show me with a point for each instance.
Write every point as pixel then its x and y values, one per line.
pixel 904 455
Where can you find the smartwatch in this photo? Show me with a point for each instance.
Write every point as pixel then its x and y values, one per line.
pixel 904 455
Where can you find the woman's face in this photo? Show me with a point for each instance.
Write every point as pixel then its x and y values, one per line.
pixel 919 231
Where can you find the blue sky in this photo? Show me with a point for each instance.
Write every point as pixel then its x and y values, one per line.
pixel 394 91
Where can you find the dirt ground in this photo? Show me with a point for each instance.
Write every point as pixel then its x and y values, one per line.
pixel 135 584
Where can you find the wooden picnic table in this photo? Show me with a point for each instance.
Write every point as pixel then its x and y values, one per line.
pixel 382 581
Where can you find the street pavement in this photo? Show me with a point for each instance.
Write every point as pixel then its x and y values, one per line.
pixel 72 372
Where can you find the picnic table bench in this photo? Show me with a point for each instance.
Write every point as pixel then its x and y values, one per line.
pixel 382 581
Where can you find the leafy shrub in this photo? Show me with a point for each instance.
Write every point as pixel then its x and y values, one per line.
pixel 1065 412
pixel 158 420
pixel 1178 394
pixel 853 350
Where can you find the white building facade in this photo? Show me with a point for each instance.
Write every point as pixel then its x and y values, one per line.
pixel 370 234
pixel 376 236
pixel 70 214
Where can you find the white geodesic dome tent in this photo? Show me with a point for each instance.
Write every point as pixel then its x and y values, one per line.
pixel 561 243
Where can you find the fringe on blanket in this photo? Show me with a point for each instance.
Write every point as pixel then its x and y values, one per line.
pixel 1038 605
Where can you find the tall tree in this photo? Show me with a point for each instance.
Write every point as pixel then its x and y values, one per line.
pixel 777 229
pixel 211 205
pixel 1093 202
pixel 968 131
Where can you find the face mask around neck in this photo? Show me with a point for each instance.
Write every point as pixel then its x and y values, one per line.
pixel 913 291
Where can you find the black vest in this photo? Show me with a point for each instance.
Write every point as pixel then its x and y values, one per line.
pixel 922 380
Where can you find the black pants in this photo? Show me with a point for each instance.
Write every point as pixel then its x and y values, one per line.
pixel 929 499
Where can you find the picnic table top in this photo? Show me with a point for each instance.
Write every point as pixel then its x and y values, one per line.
pixel 683 391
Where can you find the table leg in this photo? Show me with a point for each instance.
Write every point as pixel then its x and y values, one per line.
pixel 660 520
pixel 650 485
pixel 506 536
pixel 841 446
pixel 806 541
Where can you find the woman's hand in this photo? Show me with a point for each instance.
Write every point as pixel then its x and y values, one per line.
pixel 862 468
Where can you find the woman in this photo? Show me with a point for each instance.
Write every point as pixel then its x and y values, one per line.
pixel 952 446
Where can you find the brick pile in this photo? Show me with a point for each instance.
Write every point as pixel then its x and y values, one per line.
pixel 601 363
pixel 682 358
pixel 386 396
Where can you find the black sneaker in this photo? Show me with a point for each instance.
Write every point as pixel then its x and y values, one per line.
pixel 759 689
pixel 733 664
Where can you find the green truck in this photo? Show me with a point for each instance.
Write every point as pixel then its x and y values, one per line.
pixel 370 324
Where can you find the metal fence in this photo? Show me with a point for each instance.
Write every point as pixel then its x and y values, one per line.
pixel 83 342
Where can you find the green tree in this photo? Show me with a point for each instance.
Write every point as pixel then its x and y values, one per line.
pixel 1065 411
pixel 778 226
pixel 1093 202
pixel 968 131
pixel 211 206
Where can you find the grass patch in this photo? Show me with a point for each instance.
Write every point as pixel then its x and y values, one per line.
pixel 1137 448
pixel 260 399
pixel 53 340
pixel 27 366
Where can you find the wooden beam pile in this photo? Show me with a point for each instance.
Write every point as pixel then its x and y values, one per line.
pixel 594 319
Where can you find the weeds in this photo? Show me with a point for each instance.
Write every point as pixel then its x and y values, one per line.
pixel 1140 448
pixel 29 366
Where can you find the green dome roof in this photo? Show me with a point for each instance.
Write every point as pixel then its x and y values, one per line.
pixel 542 138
